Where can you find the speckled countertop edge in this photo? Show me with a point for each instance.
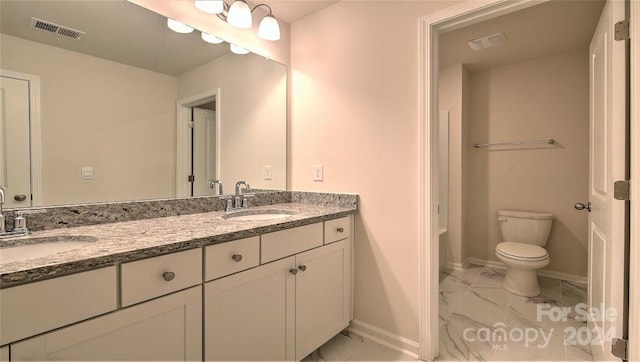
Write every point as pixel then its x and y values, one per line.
pixel 132 240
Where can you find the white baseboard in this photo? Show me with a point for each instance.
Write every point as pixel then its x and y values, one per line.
pixel 542 272
pixel 385 338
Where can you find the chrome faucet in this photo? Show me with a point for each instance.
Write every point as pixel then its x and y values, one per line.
pixel 239 184
pixel 239 201
pixel 3 227
pixel 213 183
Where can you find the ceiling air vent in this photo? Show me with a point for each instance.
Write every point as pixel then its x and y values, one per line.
pixel 53 28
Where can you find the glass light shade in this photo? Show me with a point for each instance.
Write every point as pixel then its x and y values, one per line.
pixel 210 6
pixel 211 38
pixel 238 49
pixel 239 15
pixel 269 28
pixel 178 27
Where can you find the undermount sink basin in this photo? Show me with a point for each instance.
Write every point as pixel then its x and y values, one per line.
pixel 25 248
pixel 257 215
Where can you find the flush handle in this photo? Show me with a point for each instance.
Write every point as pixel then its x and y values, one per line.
pixel 581 206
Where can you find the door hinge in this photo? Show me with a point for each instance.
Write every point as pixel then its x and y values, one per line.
pixel 622 190
pixel 621 30
pixel 191 124
pixel 619 348
pixel 191 178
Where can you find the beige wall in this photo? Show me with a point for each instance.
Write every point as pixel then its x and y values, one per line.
pixel 253 113
pixel 354 109
pixel 536 99
pixel 103 114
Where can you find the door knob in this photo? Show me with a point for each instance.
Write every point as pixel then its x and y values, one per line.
pixel 20 197
pixel 237 257
pixel 581 206
pixel 302 267
pixel 168 276
pixel 293 271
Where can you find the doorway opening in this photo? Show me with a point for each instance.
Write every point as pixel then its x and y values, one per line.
pixel 433 28
pixel 198 145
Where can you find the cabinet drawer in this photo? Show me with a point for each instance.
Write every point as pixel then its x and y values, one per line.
pixel 231 257
pixel 150 278
pixel 338 229
pixel 34 308
pixel 283 243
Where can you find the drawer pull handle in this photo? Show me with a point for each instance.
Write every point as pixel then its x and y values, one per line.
pixel 293 271
pixel 168 276
pixel 340 230
pixel 237 257
pixel 302 267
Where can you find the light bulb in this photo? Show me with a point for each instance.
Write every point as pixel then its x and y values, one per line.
pixel 239 15
pixel 178 27
pixel 210 6
pixel 269 28
pixel 238 49
pixel 211 38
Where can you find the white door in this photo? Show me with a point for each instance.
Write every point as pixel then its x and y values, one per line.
pixel 15 162
pixel 204 151
pixel 607 165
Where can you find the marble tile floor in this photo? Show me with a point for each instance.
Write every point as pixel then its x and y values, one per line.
pixel 480 321
pixel 352 347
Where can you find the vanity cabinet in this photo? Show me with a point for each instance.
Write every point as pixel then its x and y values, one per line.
pixel 168 327
pixel 164 329
pixel 282 309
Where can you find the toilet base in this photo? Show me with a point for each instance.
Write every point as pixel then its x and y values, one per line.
pixel 522 282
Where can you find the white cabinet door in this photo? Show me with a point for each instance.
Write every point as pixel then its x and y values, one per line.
pixel 164 329
pixel 323 295
pixel 250 315
pixel 4 354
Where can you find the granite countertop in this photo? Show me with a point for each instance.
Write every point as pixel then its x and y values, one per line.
pixel 126 241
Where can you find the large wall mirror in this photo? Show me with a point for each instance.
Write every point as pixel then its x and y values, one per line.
pixel 112 107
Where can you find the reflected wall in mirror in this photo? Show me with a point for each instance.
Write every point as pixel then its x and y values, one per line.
pixel 108 103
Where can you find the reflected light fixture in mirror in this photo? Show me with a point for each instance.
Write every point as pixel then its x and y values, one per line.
pixel 212 39
pixel 178 27
pixel 236 49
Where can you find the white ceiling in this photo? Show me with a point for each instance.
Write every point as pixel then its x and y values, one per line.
pixel 116 30
pixel 552 27
pixel 126 33
pixel 291 11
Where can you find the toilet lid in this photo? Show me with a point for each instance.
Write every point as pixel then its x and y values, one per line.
pixel 521 251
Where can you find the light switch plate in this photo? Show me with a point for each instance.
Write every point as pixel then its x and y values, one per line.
pixel 318 173
pixel 267 172
pixel 87 173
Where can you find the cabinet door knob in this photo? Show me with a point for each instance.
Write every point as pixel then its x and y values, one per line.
pixel 293 271
pixel 168 276
pixel 237 257
pixel 340 229
pixel 302 267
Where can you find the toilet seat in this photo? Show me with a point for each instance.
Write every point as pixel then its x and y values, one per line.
pixel 521 251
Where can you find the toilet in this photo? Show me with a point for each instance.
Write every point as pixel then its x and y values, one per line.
pixel 524 236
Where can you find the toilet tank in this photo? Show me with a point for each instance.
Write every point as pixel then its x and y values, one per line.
pixel 525 226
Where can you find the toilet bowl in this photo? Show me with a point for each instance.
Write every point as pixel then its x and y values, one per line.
pixel 524 236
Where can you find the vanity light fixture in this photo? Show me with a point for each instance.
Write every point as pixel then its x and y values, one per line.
pixel 212 39
pixel 239 14
pixel 210 6
pixel 178 27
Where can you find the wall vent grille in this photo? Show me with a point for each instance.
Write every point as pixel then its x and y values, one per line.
pixel 53 28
